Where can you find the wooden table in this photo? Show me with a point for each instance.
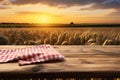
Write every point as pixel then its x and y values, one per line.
pixel 80 62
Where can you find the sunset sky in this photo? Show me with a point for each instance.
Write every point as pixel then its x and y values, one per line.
pixel 60 11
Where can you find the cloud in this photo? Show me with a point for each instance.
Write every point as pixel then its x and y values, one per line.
pixel 51 2
pixel 5 4
pixel 67 3
pixel 30 12
pixel 38 13
pixel 4 7
pixel 96 4
pixel 115 14
pixel 107 4
pixel 1 0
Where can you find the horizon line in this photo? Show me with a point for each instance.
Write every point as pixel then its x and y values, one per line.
pixel 51 23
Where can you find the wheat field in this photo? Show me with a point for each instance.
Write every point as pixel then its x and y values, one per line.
pixel 61 36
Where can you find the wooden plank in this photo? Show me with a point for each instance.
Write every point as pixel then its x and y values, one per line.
pixel 76 49
pixel 97 61
pixel 89 49
pixel 71 64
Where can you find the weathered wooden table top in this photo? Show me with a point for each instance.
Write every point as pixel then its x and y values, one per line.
pixel 78 59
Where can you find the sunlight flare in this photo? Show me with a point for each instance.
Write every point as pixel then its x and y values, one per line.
pixel 44 19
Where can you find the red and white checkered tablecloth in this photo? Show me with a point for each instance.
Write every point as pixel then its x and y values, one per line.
pixel 29 55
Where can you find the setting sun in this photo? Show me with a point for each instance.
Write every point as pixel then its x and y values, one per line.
pixel 44 19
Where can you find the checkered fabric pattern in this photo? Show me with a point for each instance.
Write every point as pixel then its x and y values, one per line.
pixel 29 55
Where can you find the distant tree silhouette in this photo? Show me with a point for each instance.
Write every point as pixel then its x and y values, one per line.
pixel 71 23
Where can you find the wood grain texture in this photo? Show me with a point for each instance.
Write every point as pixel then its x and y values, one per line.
pixel 83 61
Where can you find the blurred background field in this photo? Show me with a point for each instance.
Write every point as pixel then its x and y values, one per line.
pixel 62 36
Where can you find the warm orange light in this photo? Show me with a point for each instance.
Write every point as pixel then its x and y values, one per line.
pixel 44 19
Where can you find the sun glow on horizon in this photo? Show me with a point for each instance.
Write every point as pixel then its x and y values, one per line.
pixel 44 19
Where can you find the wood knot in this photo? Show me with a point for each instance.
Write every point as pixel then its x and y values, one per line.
pixel 35 69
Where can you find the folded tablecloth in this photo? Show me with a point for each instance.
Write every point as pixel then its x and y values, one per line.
pixel 29 55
